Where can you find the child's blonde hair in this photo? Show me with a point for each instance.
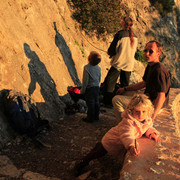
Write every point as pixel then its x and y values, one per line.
pixel 140 100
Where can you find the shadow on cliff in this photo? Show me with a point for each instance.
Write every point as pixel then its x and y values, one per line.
pixel 40 75
pixel 66 54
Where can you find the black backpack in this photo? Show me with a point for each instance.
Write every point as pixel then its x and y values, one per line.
pixel 23 114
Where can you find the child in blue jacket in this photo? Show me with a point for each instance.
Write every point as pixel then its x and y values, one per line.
pixel 90 86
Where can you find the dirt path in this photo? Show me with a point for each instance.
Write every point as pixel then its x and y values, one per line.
pixel 68 140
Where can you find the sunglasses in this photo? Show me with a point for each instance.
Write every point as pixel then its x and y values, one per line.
pixel 150 51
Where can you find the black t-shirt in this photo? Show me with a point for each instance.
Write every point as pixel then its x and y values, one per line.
pixel 157 80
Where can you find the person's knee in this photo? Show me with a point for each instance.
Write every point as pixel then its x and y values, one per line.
pixel 119 103
pixel 115 100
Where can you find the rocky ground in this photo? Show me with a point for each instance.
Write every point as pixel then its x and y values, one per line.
pixel 69 139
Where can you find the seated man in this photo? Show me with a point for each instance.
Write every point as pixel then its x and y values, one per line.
pixel 156 82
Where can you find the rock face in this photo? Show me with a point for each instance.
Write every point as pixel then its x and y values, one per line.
pixel 43 52
pixel 150 25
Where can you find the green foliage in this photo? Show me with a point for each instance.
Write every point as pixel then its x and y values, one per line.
pixel 163 6
pixel 99 16
pixel 64 22
pixel 139 55
pixel 82 50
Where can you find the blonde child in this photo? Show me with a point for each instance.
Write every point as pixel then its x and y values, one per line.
pixel 136 121
pixel 90 86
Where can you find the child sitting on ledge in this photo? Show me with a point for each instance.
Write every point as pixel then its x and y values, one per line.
pixel 136 122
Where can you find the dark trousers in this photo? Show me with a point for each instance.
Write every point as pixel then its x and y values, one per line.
pixel 111 80
pixel 97 152
pixel 112 76
pixel 92 101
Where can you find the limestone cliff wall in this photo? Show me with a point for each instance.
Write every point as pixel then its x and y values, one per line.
pixel 43 51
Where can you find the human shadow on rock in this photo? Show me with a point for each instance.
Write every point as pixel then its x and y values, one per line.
pixel 66 54
pixel 40 75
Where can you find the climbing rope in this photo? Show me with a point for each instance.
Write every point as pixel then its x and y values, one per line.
pixel 92 44
pixel 85 37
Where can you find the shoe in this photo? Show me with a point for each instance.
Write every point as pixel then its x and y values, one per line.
pixel 110 106
pixel 103 111
pixel 96 119
pixel 78 168
pixel 86 120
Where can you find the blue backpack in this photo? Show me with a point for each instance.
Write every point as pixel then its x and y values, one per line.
pixel 23 114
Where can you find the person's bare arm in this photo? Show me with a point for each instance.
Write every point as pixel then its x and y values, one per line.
pixel 133 87
pixel 158 104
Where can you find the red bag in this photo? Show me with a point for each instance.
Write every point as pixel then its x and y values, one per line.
pixel 74 90
pixel 75 93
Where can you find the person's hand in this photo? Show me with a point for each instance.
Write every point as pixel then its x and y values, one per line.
pixel 154 137
pixel 120 91
pixel 134 151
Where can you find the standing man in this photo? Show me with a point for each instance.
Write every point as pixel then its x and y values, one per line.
pixel 156 81
pixel 121 52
